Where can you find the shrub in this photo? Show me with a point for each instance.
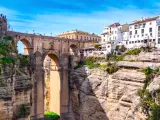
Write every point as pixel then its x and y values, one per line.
pixel 51 116
pixel 117 57
pixel 23 60
pixel 155 113
pixel 133 51
pixel 22 111
pixel 147 70
pixel 132 60
pixel 103 66
pixel 111 69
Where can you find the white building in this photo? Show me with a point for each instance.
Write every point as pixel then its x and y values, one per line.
pixel 142 32
pixel 110 32
pixel 112 35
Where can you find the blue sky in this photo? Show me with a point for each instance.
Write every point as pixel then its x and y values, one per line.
pixel 56 16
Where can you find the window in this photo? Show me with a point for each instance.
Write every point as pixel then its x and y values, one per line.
pixel 141 41
pixel 154 40
pixel 142 30
pixel 130 32
pixel 142 35
pixel 135 31
pixel 87 38
pixel 132 41
pixel 158 40
pixel 77 36
pixel 103 40
pixel 130 27
pixel 135 26
pixel 144 24
pixel 150 29
pixel 130 36
pixel 150 40
pixel 158 28
pixel 108 46
pixel 115 32
pixel 126 42
pixel 140 25
pixel 135 41
pixel 134 36
pixel 150 23
pixel 84 38
pixel 138 41
pixel 137 35
pixel 151 34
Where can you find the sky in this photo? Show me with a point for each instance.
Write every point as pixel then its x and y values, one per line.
pixel 51 17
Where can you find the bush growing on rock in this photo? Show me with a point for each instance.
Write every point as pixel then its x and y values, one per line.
pixel 51 116
pixel 133 51
pixel 150 100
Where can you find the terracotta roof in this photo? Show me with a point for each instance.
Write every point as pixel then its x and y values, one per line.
pixel 144 20
pixel 106 33
pixel 114 25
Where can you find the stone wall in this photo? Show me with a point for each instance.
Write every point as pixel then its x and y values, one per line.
pixel 96 95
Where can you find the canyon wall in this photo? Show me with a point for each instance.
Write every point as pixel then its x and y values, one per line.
pixel 15 91
pixel 97 95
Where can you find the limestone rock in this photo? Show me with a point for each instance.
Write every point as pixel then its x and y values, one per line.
pixel 154 85
pixel 100 96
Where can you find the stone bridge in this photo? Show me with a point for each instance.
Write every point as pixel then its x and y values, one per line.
pixel 50 58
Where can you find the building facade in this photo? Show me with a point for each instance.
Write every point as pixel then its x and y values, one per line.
pixel 92 39
pixel 80 35
pixel 114 34
pixel 143 32
pixel 110 32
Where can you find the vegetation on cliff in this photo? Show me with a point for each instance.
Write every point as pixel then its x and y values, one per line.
pixel 6 49
pixel 51 116
pixel 92 62
pixel 150 101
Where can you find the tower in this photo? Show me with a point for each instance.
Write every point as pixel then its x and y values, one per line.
pixel 3 25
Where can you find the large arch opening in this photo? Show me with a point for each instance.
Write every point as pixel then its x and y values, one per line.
pixel 73 50
pixel 24 47
pixel 52 84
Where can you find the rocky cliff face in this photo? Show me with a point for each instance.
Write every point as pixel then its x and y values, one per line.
pixel 97 95
pixel 15 86
pixel 14 92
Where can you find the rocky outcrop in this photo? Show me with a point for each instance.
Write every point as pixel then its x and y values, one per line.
pixel 15 86
pixel 137 65
pixel 145 56
pixel 96 95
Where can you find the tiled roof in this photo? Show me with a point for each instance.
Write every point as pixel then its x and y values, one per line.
pixel 106 33
pixel 144 20
pixel 114 25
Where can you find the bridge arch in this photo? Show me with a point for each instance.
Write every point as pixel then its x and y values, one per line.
pixel 73 49
pixel 26 46
pixel 52 79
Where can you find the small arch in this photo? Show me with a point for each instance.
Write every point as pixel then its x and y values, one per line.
pixel 24 47
pixel 73 50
